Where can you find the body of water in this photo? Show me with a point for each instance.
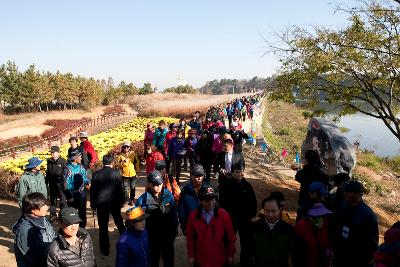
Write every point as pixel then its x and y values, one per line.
pixel 371 133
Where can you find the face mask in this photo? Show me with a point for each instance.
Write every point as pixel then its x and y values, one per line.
pixel 182 123
pixel 148 150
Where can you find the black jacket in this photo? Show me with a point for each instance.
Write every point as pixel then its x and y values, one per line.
pixel 238 137
pixel 357 235
pixel 54 171
pixel 106 190
pixel 204 149
pixel 307 176
pixel 237 158
pixel 239 200
pixel 61 254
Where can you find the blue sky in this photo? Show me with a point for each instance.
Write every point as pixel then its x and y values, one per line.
pixel 153 41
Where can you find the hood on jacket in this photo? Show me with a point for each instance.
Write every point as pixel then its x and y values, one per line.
pixel 25 220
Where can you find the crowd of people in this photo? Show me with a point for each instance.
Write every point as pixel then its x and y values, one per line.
pixel 333 227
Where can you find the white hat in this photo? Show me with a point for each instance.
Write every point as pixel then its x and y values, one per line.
pixel 83 134
pixel 126 143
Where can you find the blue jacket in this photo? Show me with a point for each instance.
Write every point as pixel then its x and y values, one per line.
pixel 133 249
pixel 33 237
pixel 174 147
pixel 163 220
pixel 229 111
pixel 188 202
pixel 195 125
pixel 159 137
pixel 75 180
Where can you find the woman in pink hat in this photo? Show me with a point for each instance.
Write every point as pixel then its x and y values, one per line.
pixel 314 246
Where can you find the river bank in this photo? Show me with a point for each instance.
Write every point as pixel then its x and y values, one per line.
pixel 285 127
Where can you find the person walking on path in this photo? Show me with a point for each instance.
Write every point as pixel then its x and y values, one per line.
pixel 173 129
pixel 73 245
pixel 210 238
pixel 89 150
pixel 159 136
pixel 133 245
pixel 107 197
pixel 194 123
pixel 189 198
pixel 162 224
pixel 152 156
pixel 54 179
pixel 204 154
pixel 224 162
pixel 176 152
pixel 190 146
pixel 238 137
pixel 313 238
pixel 356 229
pixel 31 181
pixel 33 233
pixel 127 162
pixel 239 200
pixel 169 181
pixel 73 142
pixel 75 183
pixel 273 238
pixel 311 172
pixel 148 137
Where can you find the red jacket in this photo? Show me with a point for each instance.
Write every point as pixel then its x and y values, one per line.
pixel 210 244
pixel 315 248
pixel 151 161
pixel 92 155
pixel 168 139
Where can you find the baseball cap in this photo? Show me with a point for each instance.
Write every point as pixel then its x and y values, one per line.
pixel 126 143
pixel 69 216
pixel 136 214
pixel 83 135
pixel 197 170
pixel 353 186
pixel 318 187
pixel 160 165
pixel 54 149
pixel 207 192
pixel 155 178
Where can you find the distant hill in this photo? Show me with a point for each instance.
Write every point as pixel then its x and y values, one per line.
pixel 229 86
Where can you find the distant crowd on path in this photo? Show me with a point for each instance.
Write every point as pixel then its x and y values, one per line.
pixel 333 227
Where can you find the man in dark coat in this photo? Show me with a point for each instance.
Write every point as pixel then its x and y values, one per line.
pixel 189 199
pixel 54 180
pixel 106 195
pixel 73 246
pixel 238 136
pixel 224 162
pixel 239 200
pixel 162 224
pixel 356 229
pixel 204 152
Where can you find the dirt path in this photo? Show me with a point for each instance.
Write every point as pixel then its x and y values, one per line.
pixel 262 176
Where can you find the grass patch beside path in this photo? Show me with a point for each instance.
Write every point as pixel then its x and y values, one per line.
pixel 284 127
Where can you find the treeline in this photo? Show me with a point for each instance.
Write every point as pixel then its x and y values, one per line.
pixel 229 86
pixel 34 90
pixel 182 89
